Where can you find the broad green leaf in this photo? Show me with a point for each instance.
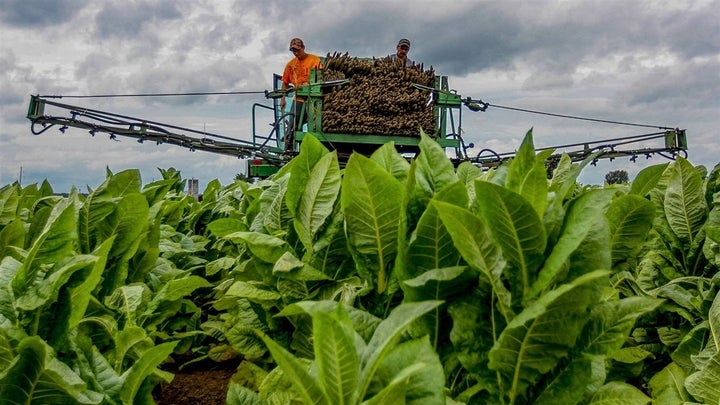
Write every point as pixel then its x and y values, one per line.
pixel 703 384
pixel 54 244
pixel 265 247
pixel 563 182
pixel 240 395
pixel 685 206
pixel 101 202
pixel 471 238
pixel 8 268
pixel 668 386
pixel 371 201
pixel 616 392
pixel 36 377
pixel 306 385
pixel 714 321
pixel 580 219
pixel 142 368
pixel 12 235
pixel 527 174
pixel 317 199
pixel 363 322
pixel 174 290
pixel 128 299
pixel 311 150
pixel 439 283
pixel 124 340
pixel 386 336
pixel 338 365
pixel 610 324
pixel 434 170
pixel 225 226
pixel 82 293
pixel 424 385
pixel 277 214
pixel 388 157
pixel 647 179
pixel 630 218
pixel 539 337
pixel 9 200
pixel 580 379
pixel 517 229
pixel 431 247
pixel 247 290
pixel 395 392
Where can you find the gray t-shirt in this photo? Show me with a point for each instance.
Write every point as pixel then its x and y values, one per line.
pixel 408 61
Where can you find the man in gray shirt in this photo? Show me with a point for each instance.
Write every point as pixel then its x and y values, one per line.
pixel 403 48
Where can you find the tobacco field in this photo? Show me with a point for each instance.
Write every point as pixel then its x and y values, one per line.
pixel 379 282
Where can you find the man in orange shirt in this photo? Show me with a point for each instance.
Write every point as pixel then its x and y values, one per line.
pixel 297 73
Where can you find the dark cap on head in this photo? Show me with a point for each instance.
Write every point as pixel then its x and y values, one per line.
pixel 404 42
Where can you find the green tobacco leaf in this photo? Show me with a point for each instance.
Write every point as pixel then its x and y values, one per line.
pixel 431 247
pixel 630 218
pixel 388 157
pixel 8 269
pixel 439 283
pixel 142 368
pixel 9 199
pixel 45 292
pixel 311 151
pixel 581 217
pixel 362 322
pixel 306 385
pixel 685 206
pixel 580 379
pixel 277 215
pixel 517 229
pixel 128 299
pixel 434 170
pixel 247 290
pixel 386 337
pixel 424 385
pixel 610 324
pixel 12 235
pixel 472 240
pixel 703 384
pixel 101 202
pixel 54 244
pixel 668 386
pixel 174 290
pixel 527 174
pixel 241 395
pixel 338 365
pixel 371 200
pixel 225 226
pixel 538 338
pixel 265 247
pixel 317 199
pixel 616 392
pixel 647 179
pixel 36 377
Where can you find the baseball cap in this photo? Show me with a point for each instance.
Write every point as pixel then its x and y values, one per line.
pixel 405 42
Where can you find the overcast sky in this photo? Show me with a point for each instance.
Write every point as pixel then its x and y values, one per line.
pixel 650 62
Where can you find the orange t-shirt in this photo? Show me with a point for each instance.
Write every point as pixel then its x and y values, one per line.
pixel 297 71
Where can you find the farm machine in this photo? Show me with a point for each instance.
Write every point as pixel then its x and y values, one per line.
pixel 351 105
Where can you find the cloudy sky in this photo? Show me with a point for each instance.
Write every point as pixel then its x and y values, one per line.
pixel 650 62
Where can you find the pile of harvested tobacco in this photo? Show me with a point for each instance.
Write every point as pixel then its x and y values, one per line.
pixel 378 99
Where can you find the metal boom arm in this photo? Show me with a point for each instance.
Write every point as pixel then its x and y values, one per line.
pixel 142 130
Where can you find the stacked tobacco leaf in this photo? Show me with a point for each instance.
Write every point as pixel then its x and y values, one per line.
pixel 378 99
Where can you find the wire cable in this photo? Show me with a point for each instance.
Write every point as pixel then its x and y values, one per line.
pixel 576 117
pixel 217 93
